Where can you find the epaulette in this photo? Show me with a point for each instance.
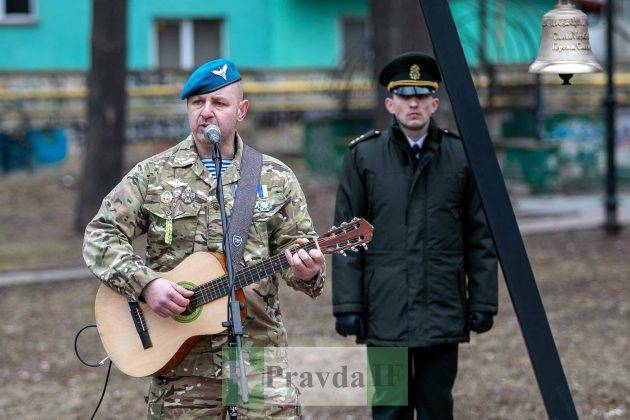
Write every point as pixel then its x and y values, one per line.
pixel 451 134
pixel 365 136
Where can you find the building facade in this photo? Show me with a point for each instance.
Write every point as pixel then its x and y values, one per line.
pixel 44 35
pixel 304 61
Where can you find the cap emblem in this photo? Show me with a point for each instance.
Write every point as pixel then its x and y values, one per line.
pixel 414 72
pixel 221 72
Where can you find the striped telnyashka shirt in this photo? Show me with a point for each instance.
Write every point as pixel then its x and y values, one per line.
pixel 209 164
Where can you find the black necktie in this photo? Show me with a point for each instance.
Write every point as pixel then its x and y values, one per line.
pixel 415 150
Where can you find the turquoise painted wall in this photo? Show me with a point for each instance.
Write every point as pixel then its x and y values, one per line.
pixel 307 33
pixel 261 34
pixel 513 28
pixel 246 31
pixel 59 40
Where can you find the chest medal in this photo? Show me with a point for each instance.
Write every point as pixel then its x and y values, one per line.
pixel 188 195
pixel 166 197
pixel 263 204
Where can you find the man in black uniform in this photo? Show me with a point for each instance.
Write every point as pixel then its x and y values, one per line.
pixel 430 273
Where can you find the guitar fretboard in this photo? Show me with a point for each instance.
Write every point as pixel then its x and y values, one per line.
pixel 220 287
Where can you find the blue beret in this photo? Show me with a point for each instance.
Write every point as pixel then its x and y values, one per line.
pixel 209 77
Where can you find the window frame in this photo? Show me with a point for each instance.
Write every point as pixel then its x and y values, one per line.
pixel 186 40
pixel 343 54
pixel 18 18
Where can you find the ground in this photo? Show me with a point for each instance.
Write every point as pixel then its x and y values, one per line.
pixel 582 277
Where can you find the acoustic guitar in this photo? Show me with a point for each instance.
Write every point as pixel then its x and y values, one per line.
pixel 141 343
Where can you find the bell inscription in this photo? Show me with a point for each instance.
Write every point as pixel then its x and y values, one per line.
pixel 552 23
pixel 571 35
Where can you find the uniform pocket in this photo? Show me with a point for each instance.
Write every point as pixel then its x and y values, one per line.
pixel 446 295
pixel 265 209
pixel 183 219
pixel 387 297
pixel 387 208
pixel 447 193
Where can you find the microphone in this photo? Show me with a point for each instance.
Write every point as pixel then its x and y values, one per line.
pixel 212 132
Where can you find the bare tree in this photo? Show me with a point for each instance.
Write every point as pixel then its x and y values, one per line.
pixel 105 129
pixel 397 27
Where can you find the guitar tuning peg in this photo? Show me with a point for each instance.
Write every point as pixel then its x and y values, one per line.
pixel 365 246
pixel 344 223
pixel 333 227
pixel 343 253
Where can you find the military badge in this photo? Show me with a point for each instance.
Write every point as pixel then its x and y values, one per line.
pixel 176 183
pixel 166 197
pixel 237 240
pixel 221 71
pixel 188 195
pixel 414 72
pixel 263 204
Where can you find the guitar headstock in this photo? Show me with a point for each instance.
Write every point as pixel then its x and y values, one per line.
pixel 349 236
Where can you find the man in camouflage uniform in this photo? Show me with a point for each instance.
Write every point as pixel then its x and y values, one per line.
pixel 172 198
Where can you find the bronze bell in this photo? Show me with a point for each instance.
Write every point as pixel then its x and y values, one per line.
pixel 564 46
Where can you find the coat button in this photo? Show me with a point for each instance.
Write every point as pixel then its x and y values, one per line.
pixel 215 205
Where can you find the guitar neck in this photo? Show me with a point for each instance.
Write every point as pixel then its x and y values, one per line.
pixel 220 287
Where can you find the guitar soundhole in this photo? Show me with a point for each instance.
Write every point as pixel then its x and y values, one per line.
pixel 189 310
pixel 192 311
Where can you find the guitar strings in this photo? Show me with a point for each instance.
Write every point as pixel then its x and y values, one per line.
pixel 268 267
pixel 219 287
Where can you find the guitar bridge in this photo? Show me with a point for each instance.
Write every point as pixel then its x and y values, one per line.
pixel 141 325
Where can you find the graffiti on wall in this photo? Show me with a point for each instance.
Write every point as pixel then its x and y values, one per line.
pixel 581 143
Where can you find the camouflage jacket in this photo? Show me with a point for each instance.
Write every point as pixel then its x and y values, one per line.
pixel 175 184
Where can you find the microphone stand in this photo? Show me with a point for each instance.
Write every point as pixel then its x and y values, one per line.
pixel 233 323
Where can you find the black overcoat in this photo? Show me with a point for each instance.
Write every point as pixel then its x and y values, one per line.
pixel 432 259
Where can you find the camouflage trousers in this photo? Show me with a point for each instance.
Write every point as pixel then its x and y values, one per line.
pixel 196 397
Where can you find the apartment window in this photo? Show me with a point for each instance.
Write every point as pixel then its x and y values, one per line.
pixel 17 11
pixel 168 44
pixel 206 40
pixel 187 43
pixel 356 46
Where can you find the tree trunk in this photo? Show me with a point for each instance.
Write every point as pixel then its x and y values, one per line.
pixel 397 27
pixel 105 128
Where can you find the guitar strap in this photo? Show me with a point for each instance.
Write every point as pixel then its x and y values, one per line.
pixel 243 210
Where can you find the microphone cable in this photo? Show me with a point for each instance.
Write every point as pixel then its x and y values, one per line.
pixel 109 368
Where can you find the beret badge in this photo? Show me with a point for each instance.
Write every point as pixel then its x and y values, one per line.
pixel 221 71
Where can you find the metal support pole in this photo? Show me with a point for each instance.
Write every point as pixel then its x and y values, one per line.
pixel 234 323
pixel 611 225
pixel 499 213
pixel 483 59
pixel 538 109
